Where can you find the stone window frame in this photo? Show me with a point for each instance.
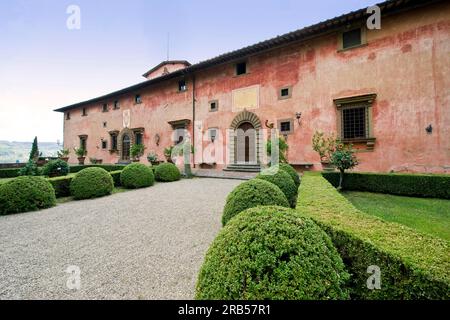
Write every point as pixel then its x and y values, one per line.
pixel 291 126
pixel 281 97
pixel 365 101
pixel 105 107
pixel 113 134
pixel 210 105
pixel 83 137
pixel 180 90
pixel 138 98
pixel 104 144
pixel 116 105
pixel 351 28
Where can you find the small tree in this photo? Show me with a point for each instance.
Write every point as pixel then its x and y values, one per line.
pixel 137 151
pixel 343 158
pixel 283 148
pixel 30 169
pixel 34 154
pixel 324 145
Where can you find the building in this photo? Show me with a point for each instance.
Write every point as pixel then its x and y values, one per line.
pixel 386 91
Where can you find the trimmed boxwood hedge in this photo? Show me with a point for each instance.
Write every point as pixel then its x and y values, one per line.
pixel 107 167
pixel 413 185
pixel 292 172
pixel 56 168
pixel 272 253
pixel 91 183
pixel 25 194
pixel 282 180
pixel 9 173
pixel 413 265
pixel 167 172
pixel 251 194
pixel 136 176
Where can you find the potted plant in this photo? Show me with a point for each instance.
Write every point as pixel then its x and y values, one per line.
pixel 95 161
pixel 344 159
pixel 81 154
pixel 152 157
pixel 324 145
pixel 63 154
pixel 137 151
pixel 168 154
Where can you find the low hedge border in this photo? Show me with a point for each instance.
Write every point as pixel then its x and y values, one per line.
pixel 413 185
pixel 62 184
pixel 107 167
pixel 413 265
pixel 9 173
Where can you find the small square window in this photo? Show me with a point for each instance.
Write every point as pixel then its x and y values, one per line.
pixel 241 68
pixel 84 113
pixel 213 105
pixel 138 99
pixel 116 105
pixel 286 126
pixel 182 85
pixel 285 93
pixel 105 108
pixel 352 38
pixel 104 144
pixel 68 116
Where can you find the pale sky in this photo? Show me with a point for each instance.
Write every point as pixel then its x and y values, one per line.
pixel 44 65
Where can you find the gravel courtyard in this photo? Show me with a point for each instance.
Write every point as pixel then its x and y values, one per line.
pixel 144 244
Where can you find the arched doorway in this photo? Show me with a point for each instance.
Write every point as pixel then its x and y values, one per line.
pixel 246 144
pixel 126 146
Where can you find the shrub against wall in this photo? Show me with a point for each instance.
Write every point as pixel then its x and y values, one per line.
pixel 107 167
pixel 136 176
pixel 251 194
pixel 26 194
pixel 9 173
pixel 283 181
pixel 91 183
pixel 167 172
pixel 413 185
pixel 56 168
pixel 272 253
pixel 413 265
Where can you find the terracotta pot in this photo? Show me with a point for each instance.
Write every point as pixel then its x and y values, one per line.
pixel 81 160
pixel 327 166
pixel 66 159
pixel 136 160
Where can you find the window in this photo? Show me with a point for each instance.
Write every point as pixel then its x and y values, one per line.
pixel 116 105
pixel 213 106
pixel 105 124
pixel 104 144
pixel 83 142
pixel 137 99
pixel 105 108
pixel 212 134
pixel 138 138
pixel 68 116
pixel 352 38
pixel 286 126
pixel 241 68
pixel 284 93
pixel 113 136
pixel 84 112
pixel 354 118
pixel 182 85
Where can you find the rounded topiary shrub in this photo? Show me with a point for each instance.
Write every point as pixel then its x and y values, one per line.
pixel 136 176
pixel 283 181
pixel 251 194
pixel 167 172
pixel 26 194
pixel 272 253
pixel 292 172
pixel 91 183
pixel 56 168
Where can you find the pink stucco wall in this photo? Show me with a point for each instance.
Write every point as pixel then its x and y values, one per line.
pixel 406 63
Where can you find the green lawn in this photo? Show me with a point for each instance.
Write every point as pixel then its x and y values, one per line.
pixel 431 216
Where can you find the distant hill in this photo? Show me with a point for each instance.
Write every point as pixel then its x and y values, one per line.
pixel 11 152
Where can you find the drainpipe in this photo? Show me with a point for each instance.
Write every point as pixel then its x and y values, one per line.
pixel 193 113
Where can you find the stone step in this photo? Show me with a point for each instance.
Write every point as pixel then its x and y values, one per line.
pixel 243 168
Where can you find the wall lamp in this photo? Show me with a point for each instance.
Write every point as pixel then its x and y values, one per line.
pixel 298 116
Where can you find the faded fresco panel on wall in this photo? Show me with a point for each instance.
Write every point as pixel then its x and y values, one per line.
pixel 245 98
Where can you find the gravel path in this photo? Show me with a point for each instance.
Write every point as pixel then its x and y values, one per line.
pixel 144 244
